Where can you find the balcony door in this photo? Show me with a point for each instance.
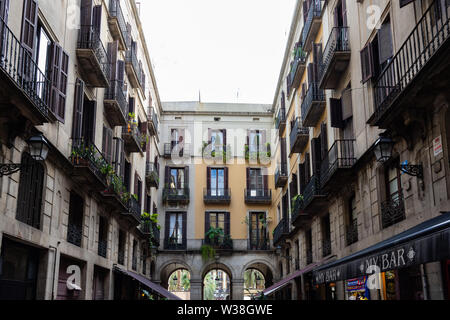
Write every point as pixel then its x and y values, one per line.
pixel 177 180
pixel 256 182
pixel 175 229
pixel 217 139
pixel 217 180
pixel 258 230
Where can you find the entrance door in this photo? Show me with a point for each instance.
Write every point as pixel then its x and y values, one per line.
pixel 99 284
pixel 18 271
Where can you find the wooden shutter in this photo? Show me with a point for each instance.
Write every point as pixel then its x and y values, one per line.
pixel 29 24
pixel 346 101
pixel 405 2
pixel 305 11
pixel 367 66
pixel 64 71
pixel 184 222
pixel 186 177
pixel 310 70
pixel 248 178
pixel 128 39
pixel 224 133
pixel 167 226
pixel 307 167
pixel 55 76
pixel 78 109
pixel 344 13
pixel 265 178
pixel 86 13
pixel 208 178
pixel 89 115
pixel 336 113
pixel 4 10
pixel 107 147
pixel 324 140
pixel 302 176
pixel 283 150
pixel 385 49
pixel 120 72
pixel 113 48
pixel 316 153
pixel 136 187
pixel 225 173
pixel 97 18
pixel 207 221
pixel 166 177
pixel 118 153
pixel 317 58
pixel 227 223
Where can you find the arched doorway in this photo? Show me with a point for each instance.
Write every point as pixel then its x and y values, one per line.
pixel 216 283
pixel 180 283
pixel 257 277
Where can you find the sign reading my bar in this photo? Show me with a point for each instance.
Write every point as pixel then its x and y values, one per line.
pixel 431 248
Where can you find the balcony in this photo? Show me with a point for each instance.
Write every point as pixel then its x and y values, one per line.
pixel 114 195
pixel 335 58
pixel 92 58
pixel 280 121
pixel 299 137
pixel 102 248
pixel 298 217
pixel 313 105
pixel 132 138
pixel 420 68
pixel 177 150
pixel 133 210
pixel 151 229
pixel 221 243
pixel 280 232
pixel 152 121
pixel 217 196
pixel 115 103
pixel 392 211
pixel 351 233
pixel 258 153
pixel 152 175
pixel 258 196
pixel 132 68
pixel 74 234
pixel 335 169
pixel 24 85
pixel 88 163
pixel 313 198
pixel 174 244
pixel 258 244
pixel 312 24
pixel 176 195
pixel 117 24
pixel 298 66
pixel 281 175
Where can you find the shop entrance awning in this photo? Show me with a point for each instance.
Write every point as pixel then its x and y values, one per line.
pixel 155 287
pixel 428 241
pixel 282 283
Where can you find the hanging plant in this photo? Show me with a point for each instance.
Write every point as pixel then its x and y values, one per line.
pixel 207 251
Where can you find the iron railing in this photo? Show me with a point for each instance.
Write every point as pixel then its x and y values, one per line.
pixel 222 243
pixel 216 195
pixel 19 65
pixel 89 38
pixel 280 172
pixel 102 246
pixel 153 117
pixel 152 174
pixel 258 244
pixel 312 189
pixel 299 59
pixel 281 118
pixel 314 94
pixel 134 208
pixel 392 211
pixel 337 42
pixel 340 156
pixel 181 150
pixel 258 194
pixel 429 34
pixel 133 130
pixel 280 230
pixel 115 92
pixel 87 154
pixel 315 11
pixel 115 10
pixel 296 131
pixel 74 234
pixel 131 58
pixel 171 244
pixel 352 232
pixel 151 228
pixel 176 194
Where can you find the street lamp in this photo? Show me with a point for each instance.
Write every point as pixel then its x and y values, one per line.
pixel 38 148
pixel 383 152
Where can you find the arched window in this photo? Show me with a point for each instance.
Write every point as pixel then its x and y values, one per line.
pixel 29 198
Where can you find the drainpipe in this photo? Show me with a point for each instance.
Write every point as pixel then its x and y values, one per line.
pixel 424 282
pixel 54 268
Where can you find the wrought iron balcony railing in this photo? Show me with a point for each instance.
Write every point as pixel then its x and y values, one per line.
pixel 221 243
pixel 23 71
pixel 151 228
pixel 338 43
pixel 102 247
pixel 312 23
pixel 116 104
pixel 132 67
pixel 427 37
pixel 280 231
pixel 89 38
pixel 259 244
pixel 173 149
pixel 297 67
pixel 133 138
pixel 152 121
pixel 298 137
pixel 352 233
pixel 312 189
pixel 134 209
pixel 280 121
pixel 74 234
pixel 281 175
pixel 174 244
pixel 179 194
pixel 152 174
pixel 220 195
pixel 310 111
pixel 115 11
pixel 392 211
pixel 340 156
pixel 263 195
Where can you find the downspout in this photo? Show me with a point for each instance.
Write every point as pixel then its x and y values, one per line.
pixel 424 282
pixel 54 268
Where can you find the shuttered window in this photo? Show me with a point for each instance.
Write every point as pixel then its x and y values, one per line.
pixel 119 157
pixel 107 144
pixel 78 109
pixel 29 24
pixel 59 73
pixel 367 63
pixel 385 49
pixel 89 116
pixel 323 140
pixel 336 113
pixel 113 48
pixel 97 18
pixel 29 198
pixel 4 10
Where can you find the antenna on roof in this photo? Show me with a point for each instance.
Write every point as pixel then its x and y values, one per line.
pixel 199 96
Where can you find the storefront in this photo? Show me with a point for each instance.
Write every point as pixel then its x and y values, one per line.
pixel 395 269
pixel 71 279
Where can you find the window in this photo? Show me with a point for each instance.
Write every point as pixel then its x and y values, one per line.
pixel 29 199
pixel 175 230
pixel 102 236
pixel 256 181
pixel 256 140
pixel 176 178
pixel 217 139
pixel 134 256
pixel 392 208
pixel 288 261
pixel 351 221
pixel 218 220
pixel 308 240
pixel 121 248
pixel 75 224
pixel 217 181
pixel 258 230
pixel 326 236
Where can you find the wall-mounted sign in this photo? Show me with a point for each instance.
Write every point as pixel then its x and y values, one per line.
pixel 437 146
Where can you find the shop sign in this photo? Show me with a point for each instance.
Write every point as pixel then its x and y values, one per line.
pixel 74 280
pixel 437 146
pixel 356 284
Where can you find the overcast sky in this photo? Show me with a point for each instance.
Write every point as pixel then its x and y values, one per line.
pixel 230 50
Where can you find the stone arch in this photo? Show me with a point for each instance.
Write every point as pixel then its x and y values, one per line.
pixel 169 267
pixel 219 265
pixel 263 266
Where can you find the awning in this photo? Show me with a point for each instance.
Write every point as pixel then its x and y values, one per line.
pixel 428 241
pixel 282 283
pixel 155 287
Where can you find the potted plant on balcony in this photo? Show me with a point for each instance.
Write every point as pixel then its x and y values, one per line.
pixel 132 123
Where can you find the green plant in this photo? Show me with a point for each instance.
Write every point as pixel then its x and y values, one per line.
pixel 214 233
pixel 207 251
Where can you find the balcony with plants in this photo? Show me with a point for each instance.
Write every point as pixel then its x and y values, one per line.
pixel 178 194
pixel 258 152
pixel 314 199
pixel 92 57
pixel 115 104
pixel 133 211
pixel 335 58
pixel 298 65
pixel 313 105
pixel 152 175
pixel 281 175
pixel 134 139
pixel 150 227
pixel 298 137
pixel 117 24
pixel 217 240
pixel 22 81
pixel 298 217
pixel 219 153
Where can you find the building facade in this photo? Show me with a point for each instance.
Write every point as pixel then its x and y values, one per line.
pixel 358 76
pixel 77 75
